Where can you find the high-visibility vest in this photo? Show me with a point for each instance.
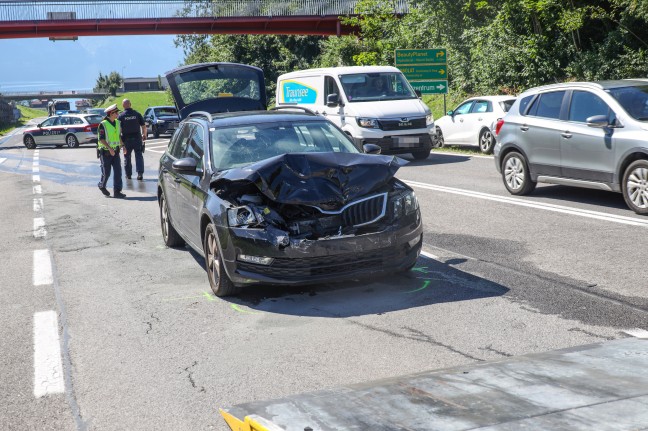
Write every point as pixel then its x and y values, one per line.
pixel 112 135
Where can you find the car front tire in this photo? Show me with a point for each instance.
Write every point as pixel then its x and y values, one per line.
pixel 220 283
pixel 29 142
pixel 635 186
pixel 486 141
pixel 170 236
pixel 439 143
pixel 156 132
pixel 72 141
pixel 515 174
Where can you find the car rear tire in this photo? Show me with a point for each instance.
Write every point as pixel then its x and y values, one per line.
pixel 515 174
pixel 29 142
pixel 486 141
pixel 635 186
pixel 156 132
pixel 220 283
pixel 439 143
pixel 170 236
pixel 72 141
pixel 421 155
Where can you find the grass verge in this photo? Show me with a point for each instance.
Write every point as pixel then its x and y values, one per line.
pixel 26 115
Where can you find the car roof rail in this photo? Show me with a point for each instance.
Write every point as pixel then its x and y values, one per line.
pixel 201 114
pixel 289 107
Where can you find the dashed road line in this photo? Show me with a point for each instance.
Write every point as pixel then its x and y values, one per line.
pixel 42 273
pixel 48 367
pixel 38 204
pixel 637 333
pixel 39 228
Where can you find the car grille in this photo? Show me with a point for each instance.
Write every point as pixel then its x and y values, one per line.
pixel 399 124
pixel 363 211
pixel 335 265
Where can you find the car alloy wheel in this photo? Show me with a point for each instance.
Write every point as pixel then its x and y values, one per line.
pixel 515 174
pixel 29 142
pixel 635 187
pixel 219 281
pixel 438 140
pixel 72 141
pixel 486 142
pixel 169 234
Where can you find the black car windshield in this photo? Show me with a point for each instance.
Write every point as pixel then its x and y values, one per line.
pixel 633 99
pixel 166 112
pixel 93 119
pixel 365 87
pixel 241 145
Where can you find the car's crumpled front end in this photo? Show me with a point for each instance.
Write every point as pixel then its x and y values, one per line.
pixel 304 217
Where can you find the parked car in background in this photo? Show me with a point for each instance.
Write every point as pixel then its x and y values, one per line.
pixel 473 122
pixel 70 129
pixel 583 134
pixel 280 197
pixel 161 120
pixel 95 111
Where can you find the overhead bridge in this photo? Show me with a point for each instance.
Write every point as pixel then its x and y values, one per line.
pixel 69 20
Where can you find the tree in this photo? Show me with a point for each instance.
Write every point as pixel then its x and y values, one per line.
pixel 110 83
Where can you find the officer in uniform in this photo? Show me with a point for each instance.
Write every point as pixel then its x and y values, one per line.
pixel 108 145
pixel 133 134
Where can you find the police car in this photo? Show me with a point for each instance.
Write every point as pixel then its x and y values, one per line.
pixel 71 130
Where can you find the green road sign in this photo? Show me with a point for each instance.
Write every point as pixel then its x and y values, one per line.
pixel 420 56
pixel 431 87
pixel 428 71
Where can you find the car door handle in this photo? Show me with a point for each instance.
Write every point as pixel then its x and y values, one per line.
pixel 461 120
pixel 524 127
pixel 566 135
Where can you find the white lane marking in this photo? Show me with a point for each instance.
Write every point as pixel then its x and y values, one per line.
pixel 36 178
pixel 48 367
pixel 543 206
pixel 38 189
pixel 429 255
pixel 35 161
pixel 2 159
pixel 39 227
pixel 35 169
pixel 155 151
pixel 38 204
pixel 637 332
pixel 42 275
pixel 448 153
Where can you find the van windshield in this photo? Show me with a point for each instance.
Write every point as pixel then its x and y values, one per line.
pixel 366 87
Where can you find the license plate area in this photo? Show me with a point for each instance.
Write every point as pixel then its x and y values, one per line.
pixel 406 142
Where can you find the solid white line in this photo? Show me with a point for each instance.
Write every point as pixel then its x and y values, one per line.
pixel 637 332
pixel 429 255
pixel 39 227
pixel 543 206
pixel 42 268
pixel 38 204
pixel 35 169
pixel 447 153
pixel 48 367
pixel 36 178
pixel 155 151
pixel 38 189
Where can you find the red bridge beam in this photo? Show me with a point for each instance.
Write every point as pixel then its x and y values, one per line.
pixel 299 25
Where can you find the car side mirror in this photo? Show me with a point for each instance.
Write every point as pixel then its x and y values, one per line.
pixel 371 149
pixel 598 121
pixel 418 93
pixel 188 165
pixel 450 112
pixel 332 100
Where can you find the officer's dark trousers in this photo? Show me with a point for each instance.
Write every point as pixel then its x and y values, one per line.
pixel 109 163
pixel 133 143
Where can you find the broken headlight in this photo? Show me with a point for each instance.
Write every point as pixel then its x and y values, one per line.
pixel 241 216
pixel 404 204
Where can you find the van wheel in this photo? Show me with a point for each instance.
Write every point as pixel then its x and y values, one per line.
pixel 486 141
pixel 421 155
pixel 29 142
pixel 515 174
pixel 218 280
pixel 635 186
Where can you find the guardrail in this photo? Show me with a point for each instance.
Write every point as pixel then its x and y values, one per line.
pixel 36 94
pixel 46 10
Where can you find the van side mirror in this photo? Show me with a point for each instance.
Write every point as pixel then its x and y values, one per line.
pixel 418 93
pixel 332 100
pixel 598 121
pixel 371 149
pixel 450 113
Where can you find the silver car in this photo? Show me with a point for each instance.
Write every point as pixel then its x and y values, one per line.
pixel 583 134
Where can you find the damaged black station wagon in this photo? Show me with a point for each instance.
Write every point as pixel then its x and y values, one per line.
pixel 277 197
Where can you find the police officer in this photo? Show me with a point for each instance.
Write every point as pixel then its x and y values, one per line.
pixel 108 146
pixel 133 133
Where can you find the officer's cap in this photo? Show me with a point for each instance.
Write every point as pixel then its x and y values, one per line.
pixel 110 109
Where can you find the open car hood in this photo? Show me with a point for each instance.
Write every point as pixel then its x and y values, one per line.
pixel 217 87
pixel 330 179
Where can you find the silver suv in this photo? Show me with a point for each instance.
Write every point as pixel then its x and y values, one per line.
pixel 583 134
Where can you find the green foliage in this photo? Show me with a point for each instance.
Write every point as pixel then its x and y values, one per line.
pixel 111 82
pixel 141 100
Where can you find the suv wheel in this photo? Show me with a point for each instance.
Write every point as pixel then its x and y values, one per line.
pixel 635 186
pixel 156 132
pixel 515 174
pixel 220 283
pixel 486 141
pixel 171 236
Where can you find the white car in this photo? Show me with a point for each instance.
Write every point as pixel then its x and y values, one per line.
pixel 473 121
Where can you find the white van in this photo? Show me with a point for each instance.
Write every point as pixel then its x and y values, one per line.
pixel 372 104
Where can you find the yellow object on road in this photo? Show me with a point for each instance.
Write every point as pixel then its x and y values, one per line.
pixel 250 423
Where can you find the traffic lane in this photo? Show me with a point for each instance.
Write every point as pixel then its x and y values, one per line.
pixel 601 255
pixel 478 173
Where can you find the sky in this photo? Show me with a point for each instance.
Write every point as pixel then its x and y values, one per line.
pixel 41 64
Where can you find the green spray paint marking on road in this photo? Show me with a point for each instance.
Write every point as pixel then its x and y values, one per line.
pixel 205 295
pixel 240 310
pixel 421 269
pixel 209 296
pixel 426 283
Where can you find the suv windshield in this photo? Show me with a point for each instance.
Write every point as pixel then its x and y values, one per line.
pixel 365 87
pixel 634 100
pixel 166 111
pixel 236 146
